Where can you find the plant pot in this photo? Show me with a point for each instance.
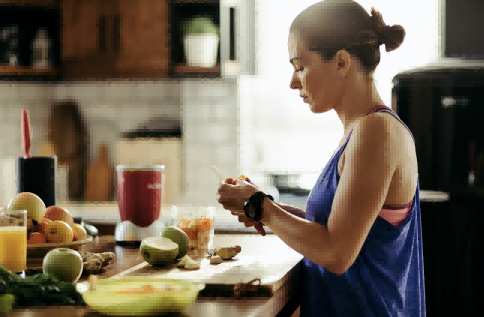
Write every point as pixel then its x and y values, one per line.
pixel 201 50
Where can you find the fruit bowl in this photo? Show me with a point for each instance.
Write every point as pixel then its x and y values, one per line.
pixel 37 251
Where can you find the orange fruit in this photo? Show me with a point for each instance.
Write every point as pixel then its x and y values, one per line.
pixel 58 232
pixel 36 237
pixel 235 180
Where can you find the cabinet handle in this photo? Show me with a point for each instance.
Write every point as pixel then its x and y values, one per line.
pixel 232 34
pixel 102 34
pixel 116 35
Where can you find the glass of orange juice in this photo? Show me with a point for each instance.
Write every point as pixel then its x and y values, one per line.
pixel 13 240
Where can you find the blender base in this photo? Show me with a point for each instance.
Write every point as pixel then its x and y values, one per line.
pixel 127 233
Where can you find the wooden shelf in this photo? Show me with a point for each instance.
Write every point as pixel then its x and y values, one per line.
pixel 183 70
pixel 34 3
pixel 26 71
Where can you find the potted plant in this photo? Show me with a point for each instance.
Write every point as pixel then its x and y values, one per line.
pixel 200 41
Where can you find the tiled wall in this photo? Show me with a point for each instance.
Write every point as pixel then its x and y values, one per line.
pixel 208 110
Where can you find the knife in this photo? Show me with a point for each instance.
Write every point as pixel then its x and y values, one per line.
pixel 258 226
pixel 25 126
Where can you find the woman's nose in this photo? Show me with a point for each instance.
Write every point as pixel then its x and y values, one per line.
pixel 294 83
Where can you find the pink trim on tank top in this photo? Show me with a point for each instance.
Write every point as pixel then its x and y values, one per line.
pixel 394 215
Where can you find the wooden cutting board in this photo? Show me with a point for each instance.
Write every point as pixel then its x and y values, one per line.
pixel 268 259
pixel 100 175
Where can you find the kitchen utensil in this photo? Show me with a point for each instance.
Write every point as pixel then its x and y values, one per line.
pixel 139 194
pixel 139 296
pixel 25 126
pixel 197 222
pixel 99 183
pixel 215 171
pixel 162 149
pixel 90 229
pixel 13 240
pixel 127 231
pixel 69 137
pixel 37 175
pixel 258 226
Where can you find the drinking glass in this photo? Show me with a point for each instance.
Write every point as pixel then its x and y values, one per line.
pixel 13 240
pixel 197 223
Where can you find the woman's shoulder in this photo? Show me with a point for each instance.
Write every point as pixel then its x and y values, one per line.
pixel 383 127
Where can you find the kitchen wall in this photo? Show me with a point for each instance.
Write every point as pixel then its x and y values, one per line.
pixel 208 110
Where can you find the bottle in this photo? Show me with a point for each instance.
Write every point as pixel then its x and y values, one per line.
pixel 40 49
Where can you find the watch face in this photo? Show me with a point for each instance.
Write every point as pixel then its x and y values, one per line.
pixel 249 211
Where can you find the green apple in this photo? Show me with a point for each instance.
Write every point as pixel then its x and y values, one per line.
pixel 32 203
pixel 64 264
pixel 179 237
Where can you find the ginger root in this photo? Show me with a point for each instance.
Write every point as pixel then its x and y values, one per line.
pixel 228 252
pixel 94 262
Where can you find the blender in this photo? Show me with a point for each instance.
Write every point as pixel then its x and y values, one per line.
pixel 139 191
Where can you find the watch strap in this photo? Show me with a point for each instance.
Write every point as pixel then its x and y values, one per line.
pixel 256 201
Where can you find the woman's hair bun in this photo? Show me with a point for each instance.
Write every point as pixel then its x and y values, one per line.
pixel 391 36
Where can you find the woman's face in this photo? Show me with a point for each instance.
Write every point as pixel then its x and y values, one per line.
pixel 315 79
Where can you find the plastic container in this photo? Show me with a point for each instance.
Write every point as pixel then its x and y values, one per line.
pixel 198 223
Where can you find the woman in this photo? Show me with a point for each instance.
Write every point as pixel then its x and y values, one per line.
pixel 361 232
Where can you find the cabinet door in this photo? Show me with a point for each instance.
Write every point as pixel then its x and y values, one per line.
pixel 144 47
pixel 81 22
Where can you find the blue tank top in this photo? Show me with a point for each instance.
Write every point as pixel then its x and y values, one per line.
pixel 387 277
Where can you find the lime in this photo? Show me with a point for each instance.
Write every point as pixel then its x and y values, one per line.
pixel 158 250
pixel 179 237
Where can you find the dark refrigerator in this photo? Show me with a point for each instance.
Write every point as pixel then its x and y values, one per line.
pixel 443 106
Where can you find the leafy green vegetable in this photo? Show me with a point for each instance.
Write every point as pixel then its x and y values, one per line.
pixel 199 25
pixel 39 290
pixel 6 303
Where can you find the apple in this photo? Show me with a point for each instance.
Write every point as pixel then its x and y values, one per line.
pixel 32 203
pixel 58 232
pixel 64 264
pixel 57 213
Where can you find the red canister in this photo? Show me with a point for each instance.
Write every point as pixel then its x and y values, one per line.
pixel 139 193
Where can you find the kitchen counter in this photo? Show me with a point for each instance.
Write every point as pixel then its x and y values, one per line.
pixel 283 302
pixel 108 213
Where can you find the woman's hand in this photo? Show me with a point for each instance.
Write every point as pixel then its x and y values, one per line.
pixel 232 198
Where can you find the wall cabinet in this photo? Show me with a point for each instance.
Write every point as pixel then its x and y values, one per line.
pixel 115 39
pixel 145 41
pixel 89 48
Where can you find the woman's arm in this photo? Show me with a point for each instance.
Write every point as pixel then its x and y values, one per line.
pixel 308 238
pixel 293 210
pixel 371 161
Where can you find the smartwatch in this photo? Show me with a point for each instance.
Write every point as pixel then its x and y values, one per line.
pixel 253 205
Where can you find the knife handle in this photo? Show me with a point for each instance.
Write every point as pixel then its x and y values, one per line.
pixel 25 133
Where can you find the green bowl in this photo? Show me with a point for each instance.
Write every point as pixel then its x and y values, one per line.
pixel 138 296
